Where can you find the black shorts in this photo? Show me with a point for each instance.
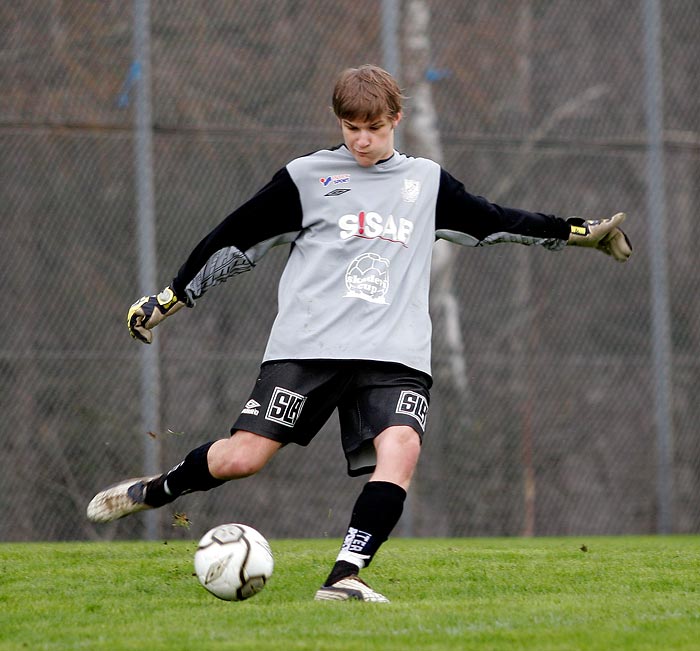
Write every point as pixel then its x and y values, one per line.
pixel 293 399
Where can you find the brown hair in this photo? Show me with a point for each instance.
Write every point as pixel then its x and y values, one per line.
pixel 366 93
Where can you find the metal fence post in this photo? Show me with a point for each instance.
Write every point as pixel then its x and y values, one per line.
pixel 656 206
pixel 145 203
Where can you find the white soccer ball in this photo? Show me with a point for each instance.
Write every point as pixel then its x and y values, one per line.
pixel 233 561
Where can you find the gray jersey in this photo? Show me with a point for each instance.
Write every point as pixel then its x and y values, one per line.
pixel 356 283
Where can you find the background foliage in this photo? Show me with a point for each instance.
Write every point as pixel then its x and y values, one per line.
pixel 539 105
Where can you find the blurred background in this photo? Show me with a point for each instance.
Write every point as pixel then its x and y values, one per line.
pixel 565 397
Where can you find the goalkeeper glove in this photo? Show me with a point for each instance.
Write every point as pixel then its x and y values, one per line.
pixel 601 234
pixel 149 311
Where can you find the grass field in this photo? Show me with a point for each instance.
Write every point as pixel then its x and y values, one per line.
pixel 536 594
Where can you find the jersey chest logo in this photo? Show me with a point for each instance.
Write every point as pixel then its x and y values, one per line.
pixel 371 225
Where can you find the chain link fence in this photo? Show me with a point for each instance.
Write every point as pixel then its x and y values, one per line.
pixel 561 404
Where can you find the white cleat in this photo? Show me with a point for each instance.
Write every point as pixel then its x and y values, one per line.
pixel 119 500
pixel 351 587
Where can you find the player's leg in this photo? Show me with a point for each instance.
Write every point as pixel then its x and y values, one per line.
pixel 204 468
pixel 241 455
pixel 398 449
pixel 393 402
pixel 377 510
pixel 289 403
pixel 379 506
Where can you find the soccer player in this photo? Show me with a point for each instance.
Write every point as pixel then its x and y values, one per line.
pixel 353 331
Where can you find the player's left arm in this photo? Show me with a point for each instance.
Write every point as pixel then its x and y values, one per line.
pixel 471 220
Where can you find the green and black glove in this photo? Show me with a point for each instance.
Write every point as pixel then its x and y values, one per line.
pixel 149 311
pixel 602 234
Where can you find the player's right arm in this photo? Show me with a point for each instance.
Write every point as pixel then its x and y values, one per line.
pixel 271 217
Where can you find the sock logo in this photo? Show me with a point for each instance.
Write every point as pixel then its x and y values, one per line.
pixel 285 407
pixel 413 404
pixel 355 541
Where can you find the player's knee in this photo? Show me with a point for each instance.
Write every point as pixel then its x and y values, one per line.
pixel 241 455
pixel 400 439
pixel 398 449
pixel 234 467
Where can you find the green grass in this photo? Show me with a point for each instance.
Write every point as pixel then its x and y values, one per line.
pixel 540 594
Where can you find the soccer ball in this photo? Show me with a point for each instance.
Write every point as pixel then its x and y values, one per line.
pixel 233 561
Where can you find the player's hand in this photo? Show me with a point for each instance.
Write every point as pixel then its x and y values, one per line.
pixel 602 234
pixel 149 311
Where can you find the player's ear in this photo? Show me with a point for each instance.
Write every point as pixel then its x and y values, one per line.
pixel 396 120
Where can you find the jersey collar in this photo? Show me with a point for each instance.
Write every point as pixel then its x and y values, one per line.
pixel 382 164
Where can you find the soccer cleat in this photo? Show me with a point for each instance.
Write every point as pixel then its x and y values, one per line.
pixel 351 587
pixel 122 499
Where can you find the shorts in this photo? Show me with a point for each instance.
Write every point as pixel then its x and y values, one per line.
pixel 293 399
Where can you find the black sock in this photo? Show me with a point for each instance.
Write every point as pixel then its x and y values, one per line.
pixel 341 570
pixel 376 512
pixel 190 475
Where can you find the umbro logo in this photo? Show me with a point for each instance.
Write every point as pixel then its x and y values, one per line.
pixel 336 192
pixel 251 407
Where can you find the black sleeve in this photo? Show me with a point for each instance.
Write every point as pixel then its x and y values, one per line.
pixel 272 216
pixel 468 219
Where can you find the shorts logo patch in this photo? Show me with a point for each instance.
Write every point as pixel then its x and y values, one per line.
pixel 251 407
pixel 285 407
pixel 413 404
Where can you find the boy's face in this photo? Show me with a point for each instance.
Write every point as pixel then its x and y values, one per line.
pixel 372 141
